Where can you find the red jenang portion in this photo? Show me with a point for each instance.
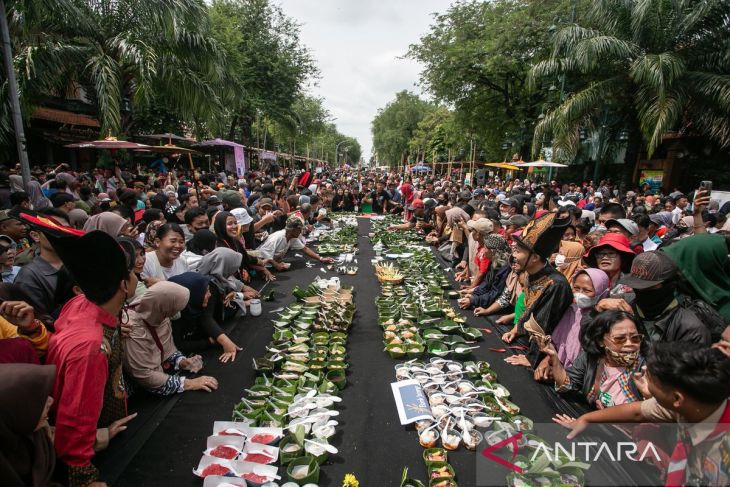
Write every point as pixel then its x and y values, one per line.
pixel 223 451
pixel 263 439
pixel 216 469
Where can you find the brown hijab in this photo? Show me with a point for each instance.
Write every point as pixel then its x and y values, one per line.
pixel 107 222
pixel 573 253
pixel 26 456
pixel 149 317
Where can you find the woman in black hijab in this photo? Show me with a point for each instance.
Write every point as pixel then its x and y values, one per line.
pixel 27 457
pixel 226 229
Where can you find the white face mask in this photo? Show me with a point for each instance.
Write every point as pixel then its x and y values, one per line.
pixel 559 259
pixel 583 301
pixel 504 215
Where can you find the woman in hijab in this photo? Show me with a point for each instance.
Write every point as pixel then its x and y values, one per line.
pixel 150 355
pixel 27 457
pixel 202 243
pixel 228 232
pixel 225 227
pixel 77 218
pixel 151 234
pixel 109 223
pixel 37 199
pixel 703 263
pixel 222 265
pixel 196 327
pixel 589 287
pixel 148 216
pixel 568 260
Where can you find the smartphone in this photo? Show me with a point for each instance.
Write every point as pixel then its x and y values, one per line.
pixel 706 186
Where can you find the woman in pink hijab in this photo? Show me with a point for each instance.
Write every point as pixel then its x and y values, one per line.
pixel 589 286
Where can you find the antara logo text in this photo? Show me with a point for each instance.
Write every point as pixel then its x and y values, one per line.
pixel 586 451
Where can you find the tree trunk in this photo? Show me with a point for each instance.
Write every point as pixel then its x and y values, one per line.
pixel 232 131
pixel 631 158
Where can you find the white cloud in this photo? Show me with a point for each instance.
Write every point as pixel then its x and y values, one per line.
pixel 358 45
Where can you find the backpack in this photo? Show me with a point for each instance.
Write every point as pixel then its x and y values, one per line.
pixel 707 315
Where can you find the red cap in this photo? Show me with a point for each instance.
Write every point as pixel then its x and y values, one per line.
pixel 416 203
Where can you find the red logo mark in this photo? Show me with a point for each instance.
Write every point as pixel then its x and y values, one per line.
pixel 512 440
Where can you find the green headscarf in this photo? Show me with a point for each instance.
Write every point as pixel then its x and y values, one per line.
pixel 703 261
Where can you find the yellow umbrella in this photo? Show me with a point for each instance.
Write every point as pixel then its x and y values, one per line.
pixel 503 165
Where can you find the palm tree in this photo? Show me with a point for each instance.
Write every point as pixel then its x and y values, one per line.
pixel 654 65
pixel 119 50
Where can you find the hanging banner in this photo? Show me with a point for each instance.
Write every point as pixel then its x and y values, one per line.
pixel 240 158
pixel 267 155
pixel 651 177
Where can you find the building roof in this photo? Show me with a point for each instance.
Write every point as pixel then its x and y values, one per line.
pixel 64 117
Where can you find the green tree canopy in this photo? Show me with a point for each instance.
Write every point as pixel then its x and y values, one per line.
pixel 267 66
pixel 654 65
pixel 115 50
pixel 477 58
pixel 394 126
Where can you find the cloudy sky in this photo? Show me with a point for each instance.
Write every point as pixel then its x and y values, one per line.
pixel 357 45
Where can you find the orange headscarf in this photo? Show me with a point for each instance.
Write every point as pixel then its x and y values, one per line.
pixel 573 252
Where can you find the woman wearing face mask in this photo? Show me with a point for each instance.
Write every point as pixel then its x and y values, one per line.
pixel 589 286
pixel 164 262
pixel 27 457
pixel 150 355
pixel 607 370
pixel 568 261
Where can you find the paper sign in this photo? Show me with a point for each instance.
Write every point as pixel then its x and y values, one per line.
pixel 411 401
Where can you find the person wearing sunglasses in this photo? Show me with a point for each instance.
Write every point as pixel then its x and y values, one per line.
pixel 607 372
pixel 613 255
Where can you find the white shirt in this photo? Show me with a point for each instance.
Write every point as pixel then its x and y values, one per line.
pixel 649 245
pixel 152 267
pixel 277 245
pixel 677 214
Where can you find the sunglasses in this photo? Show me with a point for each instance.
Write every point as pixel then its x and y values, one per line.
pixel 606 255
pixel 621 339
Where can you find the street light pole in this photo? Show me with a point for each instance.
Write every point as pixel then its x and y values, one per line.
pixel 13 93
pixel 337 149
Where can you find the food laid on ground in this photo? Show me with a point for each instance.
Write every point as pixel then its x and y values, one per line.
pixel 466 401
pixel 288 415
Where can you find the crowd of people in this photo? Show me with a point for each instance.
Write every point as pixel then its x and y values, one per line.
pixel 114 281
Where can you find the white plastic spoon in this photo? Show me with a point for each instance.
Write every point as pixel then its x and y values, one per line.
pixel 326 446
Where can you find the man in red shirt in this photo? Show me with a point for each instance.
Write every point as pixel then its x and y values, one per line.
pixel 86 349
